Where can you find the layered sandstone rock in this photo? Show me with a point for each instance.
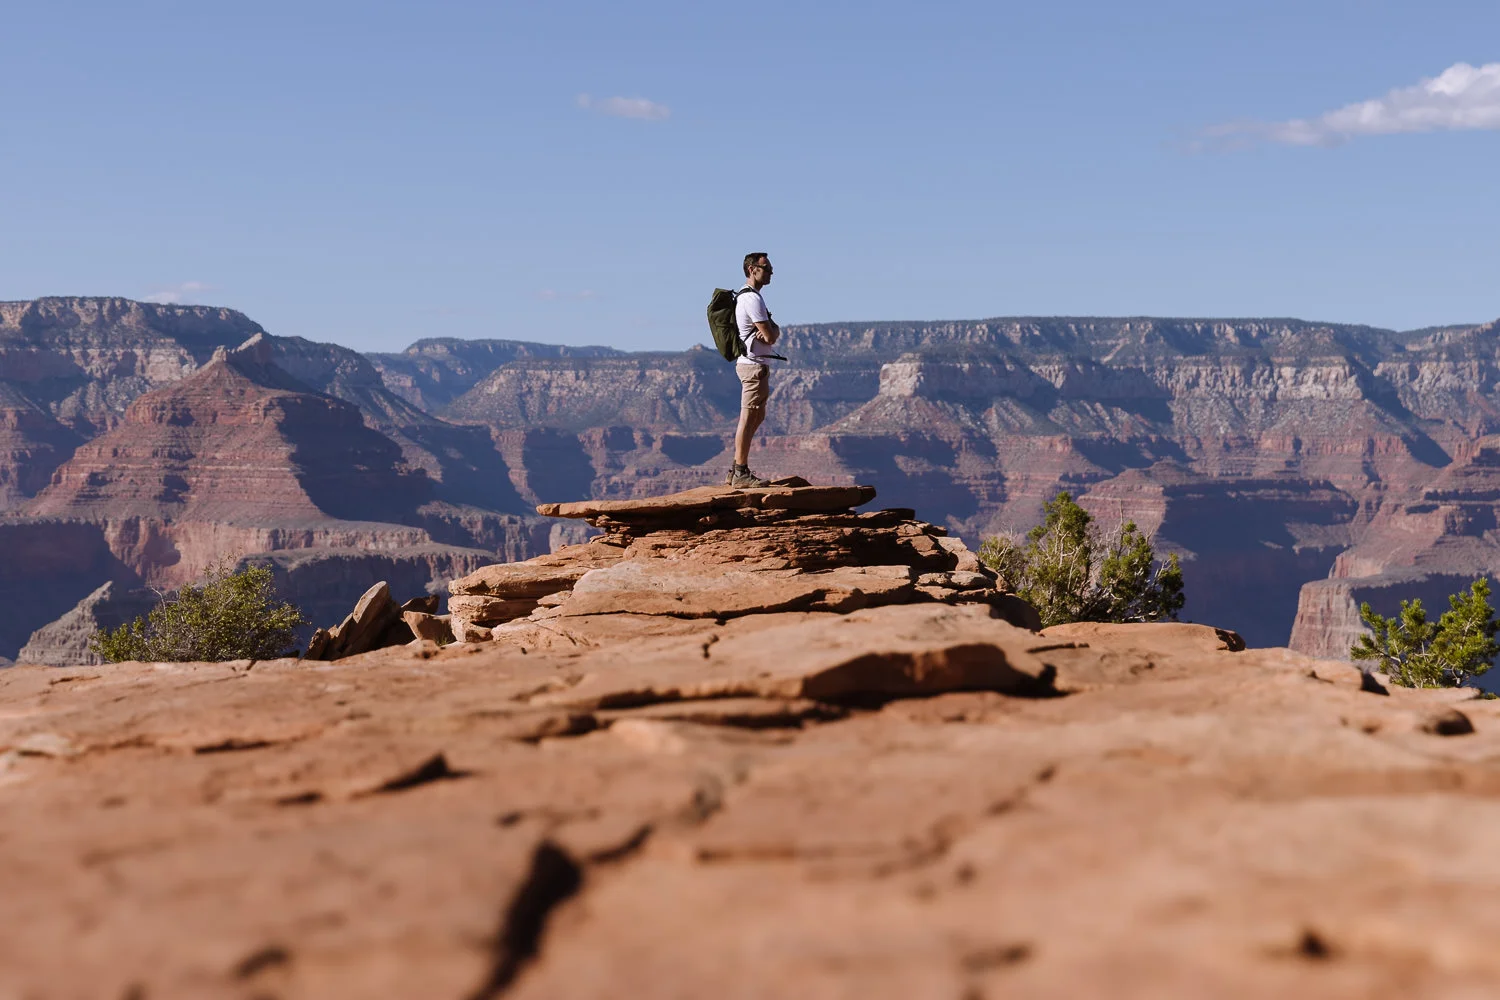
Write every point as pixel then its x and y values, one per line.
pixel 717 553
pixel 433 372
pixel 239 437
pixel 903 801
pixel 1424 543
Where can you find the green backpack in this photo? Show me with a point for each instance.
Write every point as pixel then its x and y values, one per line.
pixel 723 326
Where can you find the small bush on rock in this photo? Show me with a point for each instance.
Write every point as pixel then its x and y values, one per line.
pixel 233 616
pixel 1415 652
pixel 1070 574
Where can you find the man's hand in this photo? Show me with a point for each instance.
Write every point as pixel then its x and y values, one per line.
pixel 767 330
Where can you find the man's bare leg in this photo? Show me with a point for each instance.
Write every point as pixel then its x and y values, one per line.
pixel 749 424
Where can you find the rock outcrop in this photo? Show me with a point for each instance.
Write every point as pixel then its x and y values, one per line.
pixel 715 553
pixel 376 622
pixel 83 360
pixel 909 800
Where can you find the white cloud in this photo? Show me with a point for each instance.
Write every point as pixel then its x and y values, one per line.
pixel 182 294
pixel 1462 97
pixel 625 107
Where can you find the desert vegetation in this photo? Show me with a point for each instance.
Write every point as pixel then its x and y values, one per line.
pixel 1415 652
pixel 232 616
pixel 1071 572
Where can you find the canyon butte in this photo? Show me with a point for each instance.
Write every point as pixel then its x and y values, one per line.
pixel 1298 468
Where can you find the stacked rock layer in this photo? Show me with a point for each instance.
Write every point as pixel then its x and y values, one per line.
pixel 716 553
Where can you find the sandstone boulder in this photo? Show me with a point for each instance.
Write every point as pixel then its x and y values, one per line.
pixel 376 622
pixel 502 592
pixel 434 628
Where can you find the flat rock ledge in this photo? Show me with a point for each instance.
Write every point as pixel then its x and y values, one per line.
pixel 909 800
pixel 795 494
pixel 716 553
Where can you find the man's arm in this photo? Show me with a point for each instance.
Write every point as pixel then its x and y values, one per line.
pixel 767 330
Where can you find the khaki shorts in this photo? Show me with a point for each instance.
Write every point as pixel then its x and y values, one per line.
pixel 755 386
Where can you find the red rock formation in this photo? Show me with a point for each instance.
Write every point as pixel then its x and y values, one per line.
pixel 713 554
pixel 237 441
pixel 911 801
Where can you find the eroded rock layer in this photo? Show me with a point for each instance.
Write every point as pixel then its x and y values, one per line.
pixel 902 801
pixel 716 553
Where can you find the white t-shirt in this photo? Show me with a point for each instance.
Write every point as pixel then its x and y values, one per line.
pixel 749 309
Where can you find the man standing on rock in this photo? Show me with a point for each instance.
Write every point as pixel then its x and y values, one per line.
pixel 758 332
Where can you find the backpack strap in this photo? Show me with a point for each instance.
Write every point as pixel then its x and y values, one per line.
pixel 752 291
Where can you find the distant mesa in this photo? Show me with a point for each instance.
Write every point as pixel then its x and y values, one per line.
pixel 238 440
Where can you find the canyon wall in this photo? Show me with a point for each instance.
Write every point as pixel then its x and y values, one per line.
pixel 252 452
pixel 1294 466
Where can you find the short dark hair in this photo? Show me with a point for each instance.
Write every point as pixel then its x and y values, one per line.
pixel 751 258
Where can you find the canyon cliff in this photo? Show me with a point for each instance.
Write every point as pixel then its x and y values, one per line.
pixel 1298 468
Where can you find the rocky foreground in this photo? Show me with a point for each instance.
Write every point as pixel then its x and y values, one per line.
pixel 888 791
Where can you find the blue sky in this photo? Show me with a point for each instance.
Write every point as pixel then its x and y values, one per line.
pixel 579 172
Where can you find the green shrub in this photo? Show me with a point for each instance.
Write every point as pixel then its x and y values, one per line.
pixel 233 616
pixel 1069 574
pixel 1415 652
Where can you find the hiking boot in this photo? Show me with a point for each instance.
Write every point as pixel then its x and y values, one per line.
pixel 742 478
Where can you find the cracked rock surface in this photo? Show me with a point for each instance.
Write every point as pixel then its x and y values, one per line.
pixel 903 801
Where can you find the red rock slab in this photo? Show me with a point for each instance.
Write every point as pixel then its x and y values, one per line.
pixel 876 654
pixel 534 578
pixel 709 498
pixel 666 587
pixel 1172 636
pixel 555 633
pixel 483 609
pixel 435 628
pixel 559 635
pixel 1178 840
